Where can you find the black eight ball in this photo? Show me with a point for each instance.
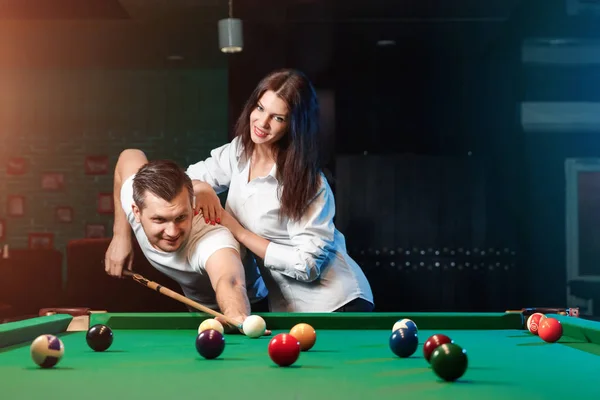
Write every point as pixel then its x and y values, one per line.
pixel 99 337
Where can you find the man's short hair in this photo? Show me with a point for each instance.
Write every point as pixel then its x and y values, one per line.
pixel 163 178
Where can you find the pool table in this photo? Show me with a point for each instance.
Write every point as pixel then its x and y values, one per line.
pixel 153 356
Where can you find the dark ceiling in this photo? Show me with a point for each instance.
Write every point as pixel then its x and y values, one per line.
pixel 290 10
pixel 134 33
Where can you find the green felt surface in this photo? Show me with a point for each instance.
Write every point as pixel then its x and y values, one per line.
pixel 344 364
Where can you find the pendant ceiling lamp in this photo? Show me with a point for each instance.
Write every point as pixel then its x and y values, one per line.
pixel 231 39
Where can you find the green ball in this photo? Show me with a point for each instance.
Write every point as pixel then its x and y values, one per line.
pixel 449 361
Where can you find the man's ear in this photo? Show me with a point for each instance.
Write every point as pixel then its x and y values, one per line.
pixel 136 212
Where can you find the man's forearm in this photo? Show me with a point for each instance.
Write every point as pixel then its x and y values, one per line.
pixel 233 300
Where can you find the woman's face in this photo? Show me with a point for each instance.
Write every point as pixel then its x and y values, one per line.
pixel 269 119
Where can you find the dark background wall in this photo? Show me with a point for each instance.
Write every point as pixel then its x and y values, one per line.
pixel 425 146
pixel 55 119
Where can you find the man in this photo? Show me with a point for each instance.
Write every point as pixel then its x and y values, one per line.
pixel 156 199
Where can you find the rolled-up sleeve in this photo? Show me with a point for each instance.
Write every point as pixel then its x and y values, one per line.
pixel 216 170
pixel 312 240
pixel 127 199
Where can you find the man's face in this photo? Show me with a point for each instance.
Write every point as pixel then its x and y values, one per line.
pixel 167 224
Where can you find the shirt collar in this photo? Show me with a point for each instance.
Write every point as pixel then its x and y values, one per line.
pixel 244 163
pixel 273 172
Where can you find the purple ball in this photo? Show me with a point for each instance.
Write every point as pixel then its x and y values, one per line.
pixel 210 343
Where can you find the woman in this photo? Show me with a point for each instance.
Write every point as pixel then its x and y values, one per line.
pixel 280 206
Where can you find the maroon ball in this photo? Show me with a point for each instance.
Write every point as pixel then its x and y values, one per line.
pixel 210 344
pixel 433 342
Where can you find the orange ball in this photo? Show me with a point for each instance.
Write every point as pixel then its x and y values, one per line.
pixel 305 334
pixel 550 330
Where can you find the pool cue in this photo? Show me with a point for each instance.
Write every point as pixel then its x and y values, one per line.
pixel 176 296
pixel 544 310
pixel 572 311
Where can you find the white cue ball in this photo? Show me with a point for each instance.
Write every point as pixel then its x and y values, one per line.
pixel 254 326
pixel 210 324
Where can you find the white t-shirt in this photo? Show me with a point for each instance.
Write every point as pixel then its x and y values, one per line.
pixel 186 266
pixel 307 267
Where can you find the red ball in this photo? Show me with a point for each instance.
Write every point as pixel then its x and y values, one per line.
pixel 550 330
pixel 433 342
pixel 284 349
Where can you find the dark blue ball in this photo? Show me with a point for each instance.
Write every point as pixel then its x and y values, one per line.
pixel 210 343
pixel 404 342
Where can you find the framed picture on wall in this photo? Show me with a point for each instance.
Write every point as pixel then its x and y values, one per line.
pixel 41 240
pixel 16 166
pixel 64 214
pixel 2 230
pixel 96 165
pixel 105 203
pixel 95 231
pixel 53 181
pixel 15 205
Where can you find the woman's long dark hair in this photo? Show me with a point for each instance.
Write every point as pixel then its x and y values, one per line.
pixel 297 152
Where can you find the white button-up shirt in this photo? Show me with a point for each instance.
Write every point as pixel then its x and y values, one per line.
pixel 306 267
